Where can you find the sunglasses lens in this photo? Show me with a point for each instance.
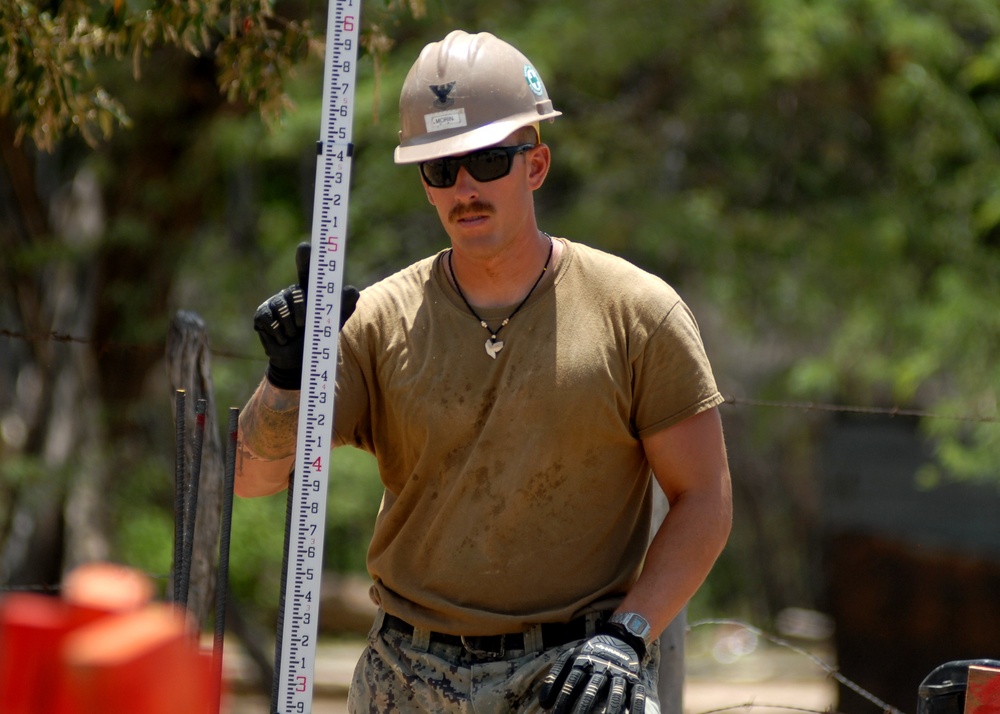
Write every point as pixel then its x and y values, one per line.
pixel 488 165
pixel 436 173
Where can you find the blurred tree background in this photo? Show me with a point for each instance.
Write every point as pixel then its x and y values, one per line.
pixel 820 179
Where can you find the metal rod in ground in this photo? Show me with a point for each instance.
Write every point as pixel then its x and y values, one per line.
pixel 276 680
pixel 180 407
pixel 222 578
pixel 192 499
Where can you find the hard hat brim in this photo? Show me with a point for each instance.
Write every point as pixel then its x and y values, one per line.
pixel 460 141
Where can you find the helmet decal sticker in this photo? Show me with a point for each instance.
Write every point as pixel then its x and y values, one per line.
pixel 533 80
pixel 441 91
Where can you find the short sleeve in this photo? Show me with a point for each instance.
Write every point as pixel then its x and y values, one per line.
pixel 673 378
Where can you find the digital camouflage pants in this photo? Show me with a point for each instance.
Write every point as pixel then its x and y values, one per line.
pixel 409 674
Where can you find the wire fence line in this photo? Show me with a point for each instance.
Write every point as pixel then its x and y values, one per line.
pixel 891 412
pixel 730 400
pixel 831 671
pixel 104 346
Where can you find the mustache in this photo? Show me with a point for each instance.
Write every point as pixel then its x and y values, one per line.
pixel 474 208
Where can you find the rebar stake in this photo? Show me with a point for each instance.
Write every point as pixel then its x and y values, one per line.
pixel 180 479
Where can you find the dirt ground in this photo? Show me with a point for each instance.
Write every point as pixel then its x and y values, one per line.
pixel 699 697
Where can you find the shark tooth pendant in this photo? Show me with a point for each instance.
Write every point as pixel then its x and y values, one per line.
pixel 493 346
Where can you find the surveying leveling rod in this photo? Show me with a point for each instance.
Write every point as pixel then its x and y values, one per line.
pixel 298 618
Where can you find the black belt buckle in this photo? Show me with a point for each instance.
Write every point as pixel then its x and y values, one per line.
pixel 469 643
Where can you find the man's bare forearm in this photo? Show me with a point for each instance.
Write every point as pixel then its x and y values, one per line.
pixel 266 442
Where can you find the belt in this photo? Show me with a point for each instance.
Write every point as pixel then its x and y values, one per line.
pixel 554 634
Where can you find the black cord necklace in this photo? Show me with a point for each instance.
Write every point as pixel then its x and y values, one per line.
pixel 493 345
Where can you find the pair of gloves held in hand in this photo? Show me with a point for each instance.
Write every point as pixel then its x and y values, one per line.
pixel 602 674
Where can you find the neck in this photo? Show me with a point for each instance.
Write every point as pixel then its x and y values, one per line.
pixel 505 278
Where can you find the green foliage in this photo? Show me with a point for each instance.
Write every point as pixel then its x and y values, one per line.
pixel 355 493
pixel 145 541
pixel 258 539
pixel 49 57
pixel 825 172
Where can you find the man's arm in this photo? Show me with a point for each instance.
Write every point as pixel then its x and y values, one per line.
pixel 265 450
pixel 690 464
pixel 689 460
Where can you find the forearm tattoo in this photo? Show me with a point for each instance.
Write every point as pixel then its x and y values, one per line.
pixel 269 422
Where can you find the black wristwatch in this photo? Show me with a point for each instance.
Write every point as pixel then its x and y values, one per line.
pixel 635 624
pixel 632 628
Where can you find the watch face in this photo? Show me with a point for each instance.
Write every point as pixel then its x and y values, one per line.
pixel 634 623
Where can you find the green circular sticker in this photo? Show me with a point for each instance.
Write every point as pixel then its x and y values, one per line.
pixel 534 81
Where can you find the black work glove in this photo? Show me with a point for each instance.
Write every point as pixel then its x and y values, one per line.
pixel 601 675
pixel 280 324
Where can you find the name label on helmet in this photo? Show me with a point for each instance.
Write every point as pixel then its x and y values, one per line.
pixel 448 119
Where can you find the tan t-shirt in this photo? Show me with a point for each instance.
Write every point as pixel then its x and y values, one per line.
pixel 516 489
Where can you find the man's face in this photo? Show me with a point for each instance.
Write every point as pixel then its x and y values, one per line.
pixel 484 215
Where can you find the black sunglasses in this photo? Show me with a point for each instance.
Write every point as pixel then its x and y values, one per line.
pixel 483 165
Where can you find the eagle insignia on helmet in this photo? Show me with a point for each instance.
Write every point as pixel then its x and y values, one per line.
pixel 441 91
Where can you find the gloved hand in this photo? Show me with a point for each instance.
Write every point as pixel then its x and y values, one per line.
pixel 280 324
pixel 601 675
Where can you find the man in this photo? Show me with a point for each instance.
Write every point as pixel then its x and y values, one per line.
pixel 516 390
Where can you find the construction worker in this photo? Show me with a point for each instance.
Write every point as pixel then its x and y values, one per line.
pixel 517 391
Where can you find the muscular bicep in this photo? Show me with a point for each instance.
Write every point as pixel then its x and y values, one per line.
pixel 690 457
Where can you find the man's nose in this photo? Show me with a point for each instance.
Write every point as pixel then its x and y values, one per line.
pixel 465 185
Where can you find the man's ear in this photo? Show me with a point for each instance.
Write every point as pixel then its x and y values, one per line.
pixel 539 161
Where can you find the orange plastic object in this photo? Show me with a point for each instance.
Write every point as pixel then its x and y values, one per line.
pixel 103 647
pixel 101 588
pixel 145 662
pixel 32 628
